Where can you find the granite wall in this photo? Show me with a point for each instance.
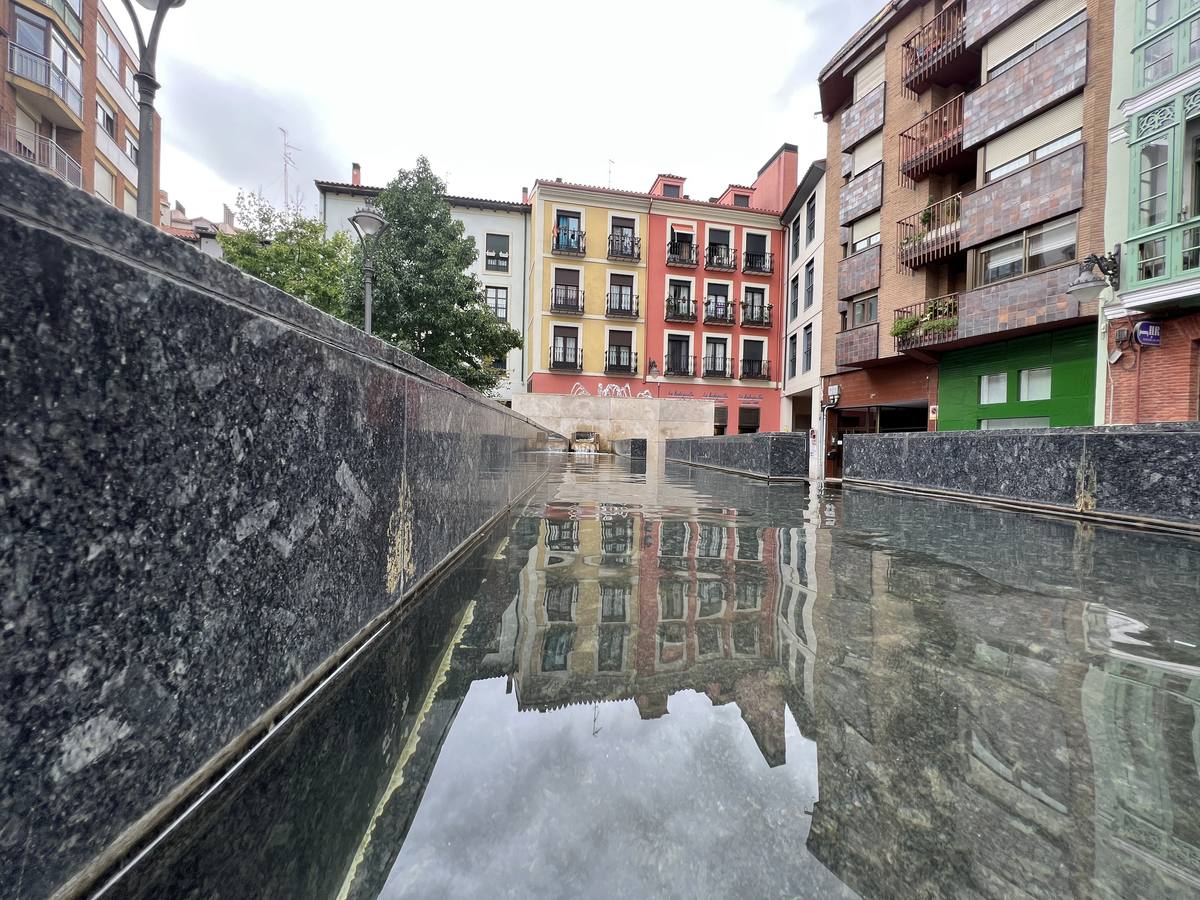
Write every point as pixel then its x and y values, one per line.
pixel 1139 472
pixel 764 455
pixel 632 448
pixel 210 490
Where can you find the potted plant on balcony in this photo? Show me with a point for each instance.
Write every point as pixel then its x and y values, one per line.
pixel 905 326
pixel 943 325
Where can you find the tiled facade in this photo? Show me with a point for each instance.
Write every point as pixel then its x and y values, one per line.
pixel 855 346
pixel 862 195
pixel 987 16
pixel 1045 190
pixel 1019 303
pixel 859 273
pixel 863 118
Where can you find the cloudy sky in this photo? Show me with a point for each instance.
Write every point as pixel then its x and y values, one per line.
pixel 495 94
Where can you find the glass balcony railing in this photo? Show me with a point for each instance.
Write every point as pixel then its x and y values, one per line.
pixel 36 68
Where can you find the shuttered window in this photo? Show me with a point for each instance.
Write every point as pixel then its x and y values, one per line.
pixel 1027 29
pixel 864 228
pixel 869 76
pixel 868 152
pixel 1063 119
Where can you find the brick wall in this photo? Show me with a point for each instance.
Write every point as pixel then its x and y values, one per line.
pixel 1021 303
pixel 864 118
pixel 1052 74
pixel 987 16
pixel 862 195
pixel 859 273
pixel 905 380
pixel 1043 191
pixel 857 345
pixel 1170 376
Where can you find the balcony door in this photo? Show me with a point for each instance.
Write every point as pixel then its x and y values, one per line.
pixel 756 250
pixel 756 304
pixel 622 236
pixel 566 346
pixel 718 302
pixel 566 288
pixel 752 359
pixel 716 355
pixel 620 350
pixel 679 352
pixel 620 294
pixel 568 232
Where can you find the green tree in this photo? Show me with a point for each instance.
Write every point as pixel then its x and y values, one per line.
pixel 424 299
pixel 290 251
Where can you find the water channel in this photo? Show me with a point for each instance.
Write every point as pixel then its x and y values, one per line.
pixel 662 681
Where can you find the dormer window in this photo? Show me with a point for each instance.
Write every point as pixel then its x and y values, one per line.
pixel 670 190
pixel 741 199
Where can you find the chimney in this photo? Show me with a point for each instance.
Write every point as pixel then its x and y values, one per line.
pixel 179 208
pixel 524 195
pixel 355 174
pixel 227 214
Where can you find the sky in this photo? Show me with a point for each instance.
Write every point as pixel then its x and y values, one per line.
pixel 495 94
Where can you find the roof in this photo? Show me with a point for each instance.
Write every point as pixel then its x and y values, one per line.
pixel 646 196
pixel 806 186
pixel 366 190
pixel 832 83
pixel 669 175
pixel 859 36
pixel 482 203
pixel 184 234
pixel 783 148
pixel 345 187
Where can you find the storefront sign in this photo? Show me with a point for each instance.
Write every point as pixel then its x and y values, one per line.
pixel 1148 334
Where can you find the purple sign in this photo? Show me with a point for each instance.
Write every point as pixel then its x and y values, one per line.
pixel 1148 334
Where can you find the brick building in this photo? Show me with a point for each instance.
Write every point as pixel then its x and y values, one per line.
pixel 966 155
pixel 68 101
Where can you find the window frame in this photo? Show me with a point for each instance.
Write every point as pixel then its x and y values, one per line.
pixel 978 270
pixel 985 382
pixel 1036 155
pixel 501 256
pixel 810 281
pixel 1040 43
pixel 810 220
pixel 110 43
pixel 794 296
pixel 109 115
pixel 1023 381
pixel 806 348
pixel 494 307
pixel 870 302
pixel 793 352
pixel 1176 31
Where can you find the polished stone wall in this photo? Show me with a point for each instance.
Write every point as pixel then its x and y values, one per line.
pixel 764 455
pixel 210 489
pixel 1145 472
pixel 633 448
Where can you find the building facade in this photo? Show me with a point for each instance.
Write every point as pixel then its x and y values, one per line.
pixel 804 232
pixel 1149 345
pixel 500 230
pixel 966 162
pixel 68 102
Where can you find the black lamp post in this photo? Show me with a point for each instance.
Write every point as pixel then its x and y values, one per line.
pixel 147 87
pixel 369 224
pixel 1088 285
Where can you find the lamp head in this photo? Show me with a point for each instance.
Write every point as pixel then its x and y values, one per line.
pixel 1087 285
pixel 153 5
pixel 368 222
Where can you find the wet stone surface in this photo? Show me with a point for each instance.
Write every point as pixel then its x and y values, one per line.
pixel 655 680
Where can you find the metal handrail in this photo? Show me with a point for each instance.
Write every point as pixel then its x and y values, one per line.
pixel 43 153
pixel 929 234
pixel 36 68
pixel 680 365
pixel 756 368
pixel 936 322
pixel 718 367
pixel 680 308
pixel 621 304
pixel 566 298
pixel 623 246
pixel 933 139
pixel 940 39
pixel 757 262
pixel 719 256
pixel 756 313
pixel 681 253
pixel 719 309
pixel 620 359
pixel 566 357
pixel 568 241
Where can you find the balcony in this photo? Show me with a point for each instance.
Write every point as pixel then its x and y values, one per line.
pixel 680 365
pixel 927 323
pixel 719 256
pixel 718 311
pixel 624 246
pixel 680 309
pixel 569 242
pixel 681 253
pixel 717 367
pixel 43 153
pixel 1165 256
pixel 756 369
pixel 934 143
pixel 929 235
pixel 857 346
pixel 620 360
pixel 621 305
pixel 566 299
pixel 756 315
pixel 40 71
pixel 933 50
pixel 566 358
pixel 756 263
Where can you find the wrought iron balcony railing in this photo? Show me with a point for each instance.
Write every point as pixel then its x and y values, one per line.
pixel 933 141
pixel 933 321
pixel 934 44
pixel 680 309
pixel 42 152
pixel 930 234
pixel 757 263
pixel 717 367
pixel 566 356
pixel 719 311
pixel 756 369
pixel 36 68
pixel 621 305
pixel 620 359
pixel 757 315
pixel 681 253
pixel 565 298
pixel 624 246
pixel 719 256
pixel 680 365
pixel 570 241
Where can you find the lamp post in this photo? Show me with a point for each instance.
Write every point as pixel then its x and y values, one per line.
pixel 1088 285
pixel 147 87
pixel 369 224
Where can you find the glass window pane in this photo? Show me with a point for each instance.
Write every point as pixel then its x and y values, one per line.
pixel 1191 248
pixel 1159 13
pixel 1052 245
pixel 1153 183
pixel 1158 59
pixel 1001 260
pixel 993 388
pixel 1194 41
pixel 1035 384
pixel 1152 257
pixel 1065 141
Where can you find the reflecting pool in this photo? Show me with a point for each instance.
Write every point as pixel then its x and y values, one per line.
pixel 681 683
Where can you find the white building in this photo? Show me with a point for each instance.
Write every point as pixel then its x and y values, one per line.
pixel 499 228
pixel 805 236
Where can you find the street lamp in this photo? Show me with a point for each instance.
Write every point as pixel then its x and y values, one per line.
pixel 1088 285
pixel 147 87
pixel 369 223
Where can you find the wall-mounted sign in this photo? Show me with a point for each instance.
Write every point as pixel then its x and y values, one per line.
pixel 933 411
pixel 1148 334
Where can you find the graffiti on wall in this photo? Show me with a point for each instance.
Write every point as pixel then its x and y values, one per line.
pixel 610 390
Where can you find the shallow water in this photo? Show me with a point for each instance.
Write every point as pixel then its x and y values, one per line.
pixel 690 684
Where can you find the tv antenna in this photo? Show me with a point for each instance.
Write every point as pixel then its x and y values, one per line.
pixel 610 165
pixel 288 162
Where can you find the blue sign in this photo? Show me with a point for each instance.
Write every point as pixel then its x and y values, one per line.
pixel 1148 334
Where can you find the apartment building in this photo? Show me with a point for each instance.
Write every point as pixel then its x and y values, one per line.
pixel 1150 345
pixel 804 231
pixel 693 315
pixel 68 102
pixel 500 229
pixel 968 142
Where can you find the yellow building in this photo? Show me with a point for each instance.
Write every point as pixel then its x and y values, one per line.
pixel 587 285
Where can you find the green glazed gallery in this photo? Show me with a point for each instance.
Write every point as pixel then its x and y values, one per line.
pixel 1045 380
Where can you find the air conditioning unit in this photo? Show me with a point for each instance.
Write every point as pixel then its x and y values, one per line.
pixel 1121 335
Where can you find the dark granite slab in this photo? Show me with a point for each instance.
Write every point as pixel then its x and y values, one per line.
pixel 763 455
pixel 633 448
pixel 210 488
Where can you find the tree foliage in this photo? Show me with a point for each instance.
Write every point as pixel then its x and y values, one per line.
pixel 290 251
pixel 424 299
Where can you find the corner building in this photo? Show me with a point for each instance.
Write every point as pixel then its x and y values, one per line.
pixel 966 172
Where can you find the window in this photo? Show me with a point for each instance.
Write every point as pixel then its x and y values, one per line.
pixel 559 601
pixel 130 84
pixel 131 203
pixel 864 311
pixel 741 199
pixel 795 240
pixel 680 290
pixel 1193 40
pixel 863 243
pixel 565 352
pixel 106 118
pixel 1152 258
pixel 718 237
pixel 568 232
pixel 108 48
pixel 748 418
pixel 679 354
pixel 105 184
pixel 672 599
pixel 711 544
pixel 620 294
pixel 810 219
pixel 131 147
pixel 864 233
pixel 1040 153
pixel 868 76
pixel 620 350
pixel 496 252
pixel 1035 384
pixel 754 363
pixel 31 34
pixel 711 597
pixel 720 420
pixel 671 190
pixel 791 357
pixel 1046 39
pixel 716 357
pixel 497 301
pixel 71 65
pixel 1159 13
pixel 993 388
pixel 614 601
pixel 1039 247
pixel 610 649
pixel 1158 59
pixel 756 304
pixel 1154 182
pixel 794 297
pixel 809 276
pixel 557 647
pixel 806 358
pixel 1004 424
